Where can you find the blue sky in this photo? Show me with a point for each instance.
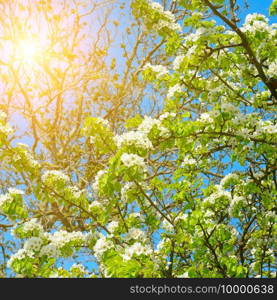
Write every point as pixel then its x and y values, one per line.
pixel 258 6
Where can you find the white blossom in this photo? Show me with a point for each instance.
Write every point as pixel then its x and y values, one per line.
pixel 136 249
pixel 228 107
pixel 133 160
pixel 181 216
pixel 244 132
pixel 173 90
pixel 166 225
pixel 102 245
pixel 188 161
pixel 266 127
pixel 95 185
pixel 193 37
pixel 33 244
pixel 232 177
pixel 127 186
pixel 205 118
pixel 177 62
pixel 166 115
pixel 112 226
pixel 50 250
pixel 78 267
pixel 167 19
pixel 75 192
pixel 255 22
pixel 31 226
pixel 148 123
pixel 184 275
pixel 234 202
pixel 50 177
pixel 133 138
pixel 62 237
pixel 6 198
pixel 20 255
pixel 255 16
pixel 160 70
pixel 156 6
pixel 94 204
pixel 272 69
pixel 164 23
pixel 218 194
pixel 137 215
pixel 26 156
pixel 13 191
pixel 136 234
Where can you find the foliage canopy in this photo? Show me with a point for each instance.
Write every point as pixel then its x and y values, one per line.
pixel 182 186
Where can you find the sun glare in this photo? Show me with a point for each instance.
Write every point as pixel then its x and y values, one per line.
pixel 28 51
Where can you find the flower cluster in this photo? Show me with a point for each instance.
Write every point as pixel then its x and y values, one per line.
pixel 148 123
pixel 140 138
pixel 188 161
pixel 22 155
pixel 136 234
pixel 29 228
pixel 178 61
pixel 5 129
pixel 167 225
pixel 7 199
pixel 159 70
pixel 255 22
pixel 50 250
pixel 33 244
pixel 174 180
pixel 74 193
pixel 167 115
pixel 202 31
pixel 219 193
pixel 166 20
pixel 46 244
pixel 228 107
pixel 61 238
pixel 22 254
pixel 54 177
pixel 264 127
pixel 250 18
pixel 133 138
pixel 272 69
pixel 101 246
pixel 124 190
pixel 229 179
pixel 94 204
pixel 174 90
pixel 235 205
pixel 133 160
pixel 78 269
pixel 112 226
pixel 95 185
pixel 14 191
pixel 136 249
pixel 205 118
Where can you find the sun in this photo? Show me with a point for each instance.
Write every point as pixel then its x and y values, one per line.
pixel 28 50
